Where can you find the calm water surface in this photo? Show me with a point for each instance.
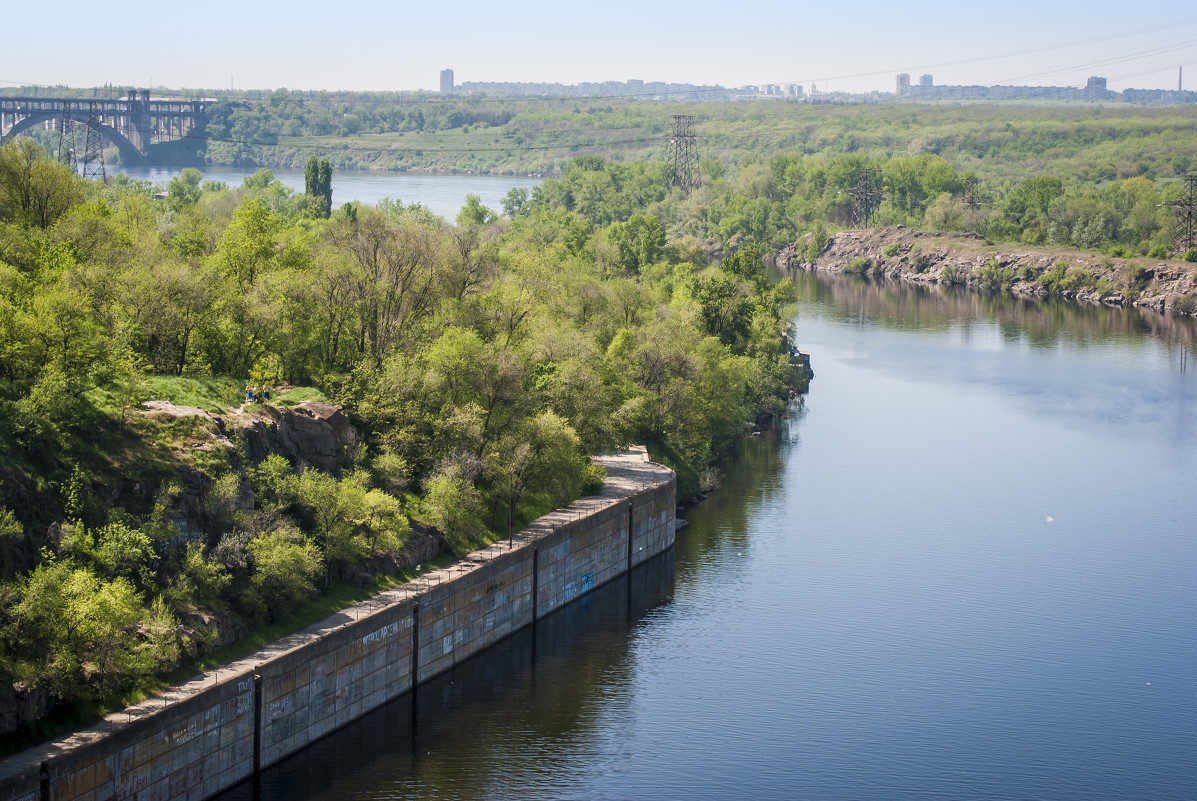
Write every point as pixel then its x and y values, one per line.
pixel 965 567
pixel 442 194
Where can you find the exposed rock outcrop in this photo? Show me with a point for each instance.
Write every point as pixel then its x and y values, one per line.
pixel 932 258
pixel 20 704
pixel 317 434
pixel 311 433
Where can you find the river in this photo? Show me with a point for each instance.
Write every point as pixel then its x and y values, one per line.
pixel 441 194
pixel 963 567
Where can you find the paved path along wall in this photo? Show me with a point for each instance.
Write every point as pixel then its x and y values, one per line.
pixel 204 736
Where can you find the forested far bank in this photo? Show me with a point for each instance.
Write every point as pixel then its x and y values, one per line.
pixel 479 363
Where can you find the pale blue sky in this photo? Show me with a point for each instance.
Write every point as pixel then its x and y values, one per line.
pixel 851 46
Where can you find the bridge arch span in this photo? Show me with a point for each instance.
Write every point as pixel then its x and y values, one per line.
pixel 127 149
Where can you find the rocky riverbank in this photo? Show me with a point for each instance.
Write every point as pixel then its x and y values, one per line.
pixel 933 258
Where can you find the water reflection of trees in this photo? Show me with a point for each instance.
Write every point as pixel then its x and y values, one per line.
pixel 508 718
pixel 754 477
pixel 1047 322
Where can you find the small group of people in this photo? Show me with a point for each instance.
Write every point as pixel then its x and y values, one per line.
pixel 257 394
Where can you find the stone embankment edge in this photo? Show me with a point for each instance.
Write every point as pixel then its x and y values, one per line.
pixel 205 735
pixel 928 257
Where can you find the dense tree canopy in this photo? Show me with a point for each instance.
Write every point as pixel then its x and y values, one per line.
pixel 480 361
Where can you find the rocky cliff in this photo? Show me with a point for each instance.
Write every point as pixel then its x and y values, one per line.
pixel 311 433
pixel 932 258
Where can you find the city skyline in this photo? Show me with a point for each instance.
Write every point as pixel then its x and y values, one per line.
pixel 761 43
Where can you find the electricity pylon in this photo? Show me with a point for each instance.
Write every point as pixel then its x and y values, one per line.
pixel 66 138
pixel 93 151
pixel 683 154
pixel 866 197
pixel 1184 237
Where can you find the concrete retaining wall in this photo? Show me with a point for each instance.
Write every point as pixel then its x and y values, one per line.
pixel 220 728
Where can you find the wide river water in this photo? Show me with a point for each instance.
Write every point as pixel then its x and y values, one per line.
pixel 963 567
pixel 441 194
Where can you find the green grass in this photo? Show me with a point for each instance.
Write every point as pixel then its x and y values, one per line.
pixel 216 394
pixel 298 395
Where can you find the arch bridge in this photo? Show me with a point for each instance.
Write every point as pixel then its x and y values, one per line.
pixel 131 122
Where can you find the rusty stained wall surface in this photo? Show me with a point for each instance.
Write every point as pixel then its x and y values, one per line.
pixel 199 738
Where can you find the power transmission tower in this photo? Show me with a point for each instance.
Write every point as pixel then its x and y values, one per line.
pixel 972 195
pixel 866 197
pixel 1184 238
pixel 683 154
pixel 93 151
pixel 66 138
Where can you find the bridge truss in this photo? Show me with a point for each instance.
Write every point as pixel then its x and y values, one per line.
pixel 131 122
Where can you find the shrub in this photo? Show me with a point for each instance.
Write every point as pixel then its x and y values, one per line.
pixel 1136 278
pixel 858 266
pixel 1052 278
pixel 892 249
pixel 454 505
pixel 1158 252
pixel 1191 254
pixel 918 260
pixel 1078 279
pixel 993 276
pixel 818 241
pixel 286 564
pixel 593 478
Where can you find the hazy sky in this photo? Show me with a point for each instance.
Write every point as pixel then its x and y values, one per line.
pixel 850 46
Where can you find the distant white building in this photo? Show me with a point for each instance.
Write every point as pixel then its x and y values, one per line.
pixel 446 81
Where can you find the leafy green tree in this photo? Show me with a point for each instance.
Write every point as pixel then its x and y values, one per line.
pixel 184 189
pixel 747 264
pixel 641 242
pixel 725 306
pixel 473 213
pixel 201 581
pixel 311 177
pixel 395 271
pixel 543 457
pixel 247 248
pixel 34 190
pixel 324 186
pixel 285 567
pixel 1029 203
pixel 384 526
pixel 515 203
pixel 73 632
pixel 13 545
pixel 453 504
